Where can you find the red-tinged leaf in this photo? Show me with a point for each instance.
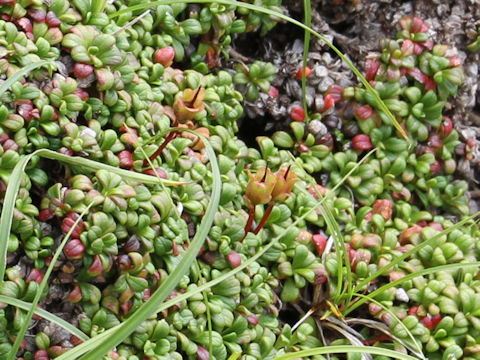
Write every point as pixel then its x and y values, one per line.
pixel 418 25
pixel 35 275
pixel 234 259
pixel 429 84
pixel 297 113
pixel 384 207
pixel 435 167
pixel 273 92
pixel 455 61
pixel 52 19
pixel 364 112
pixel 37 15
pixel 74 249
pixel 126 159
pixel 164 56
pixel 371 68
pixel 446 127
pixel 417 74
pixel 25 24
pixel 303 70
pixel 82 71
pixel 362 142
pixel 336 91
pixel 329 102
pixel 320 242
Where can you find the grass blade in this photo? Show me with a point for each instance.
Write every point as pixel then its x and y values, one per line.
pixel 389 285
pixel 417 247
pixel 43 284
pixel 263 10
pixel 149 308
pixel 6 218
pixel 44 314
pixel 20 73
pixel 307 8
pixel 418 350
pixel 94 165
pixel 345 349
pixel 92 343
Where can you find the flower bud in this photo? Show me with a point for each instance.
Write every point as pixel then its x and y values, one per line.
pixel 285 180
pixel 260 187
pixel 188 104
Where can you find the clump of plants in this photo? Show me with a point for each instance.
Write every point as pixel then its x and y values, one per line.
pixel 136 224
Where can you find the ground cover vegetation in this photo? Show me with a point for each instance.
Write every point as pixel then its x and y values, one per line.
pixel 137 224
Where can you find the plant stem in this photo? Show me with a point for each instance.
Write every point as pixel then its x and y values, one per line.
pixel 169 138
pixel 248 226
pixel 264 218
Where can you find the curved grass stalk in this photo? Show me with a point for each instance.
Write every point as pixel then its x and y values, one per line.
pixel 399 259
pixel 197 267
pixel 418 351
pixel 278 15
pixel 99 339
pixel 432 270
pixel 336 232
pixel 147 309
pixel 345 349
pixel 44 314
pixel 23 71
pixel 94 165
pixel 43 284
pixel 307 8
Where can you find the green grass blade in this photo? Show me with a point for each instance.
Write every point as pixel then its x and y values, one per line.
pixel 334 228
pixel 91 344
pixel 345 349
pixel 414 250
pixel 149 308
pixel 94 166
pixel 340 249
pixel 410 335
pixel 6 218
pixel 21 333
pixel 307 8
pixel 44 314
pixel 197 266
pixel 411 276
pixel 263 10
pixel 22 72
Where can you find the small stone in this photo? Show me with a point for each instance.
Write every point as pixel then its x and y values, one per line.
pixel 401 295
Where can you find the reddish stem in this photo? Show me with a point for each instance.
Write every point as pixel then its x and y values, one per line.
pixel 264 218
pixel 251 216
pixel 169 138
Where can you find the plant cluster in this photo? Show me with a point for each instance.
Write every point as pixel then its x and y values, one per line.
pixel 134 103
